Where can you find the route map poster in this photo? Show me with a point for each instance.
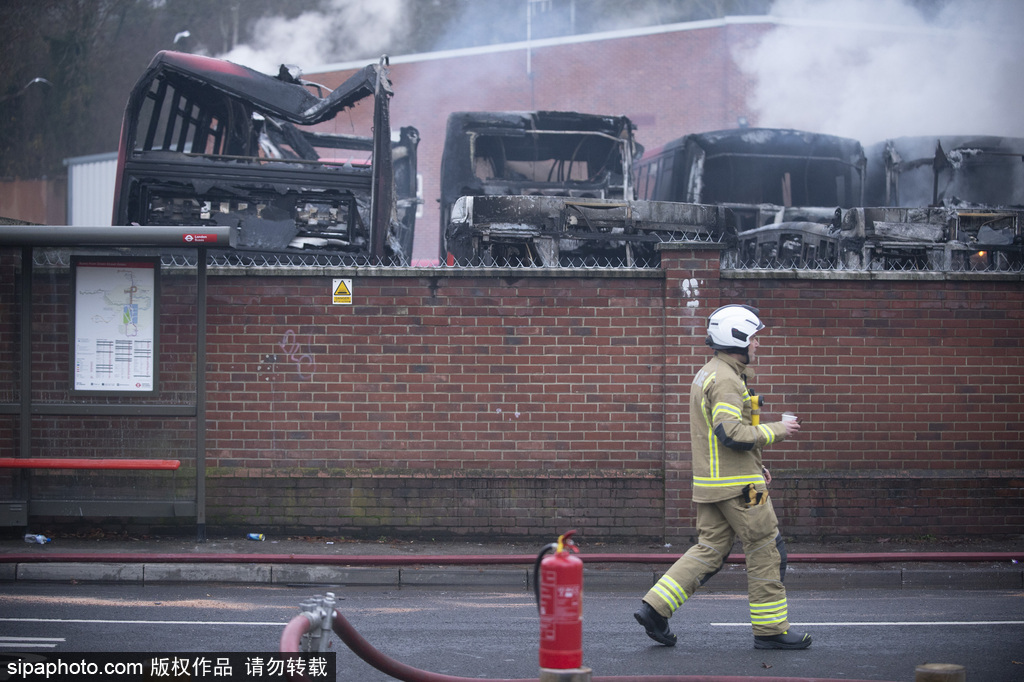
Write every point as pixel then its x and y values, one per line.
pixel 115 313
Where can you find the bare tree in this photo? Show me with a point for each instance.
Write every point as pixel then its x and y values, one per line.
pixel 89 53
pixel 69 44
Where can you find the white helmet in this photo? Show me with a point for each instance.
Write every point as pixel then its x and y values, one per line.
pixel 731 326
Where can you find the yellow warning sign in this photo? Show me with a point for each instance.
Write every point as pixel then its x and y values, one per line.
pixel 342 292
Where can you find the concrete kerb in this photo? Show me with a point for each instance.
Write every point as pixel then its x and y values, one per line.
pixel 732 577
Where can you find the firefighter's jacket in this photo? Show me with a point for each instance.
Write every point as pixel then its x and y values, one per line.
pixel 726 445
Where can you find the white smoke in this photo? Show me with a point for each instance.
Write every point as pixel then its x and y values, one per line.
pixel 342 30
pixel 877 69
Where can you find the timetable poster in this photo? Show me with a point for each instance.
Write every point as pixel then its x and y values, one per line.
pixel 115 345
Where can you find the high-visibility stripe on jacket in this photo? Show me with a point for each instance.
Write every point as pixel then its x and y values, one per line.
pixel 726 444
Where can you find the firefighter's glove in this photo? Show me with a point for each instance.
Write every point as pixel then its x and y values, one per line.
pixel 753 497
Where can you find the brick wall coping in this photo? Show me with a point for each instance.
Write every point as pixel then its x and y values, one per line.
pixel 608 273
pixel 439 272
pixel 502 474
pixel 691 246
pixel 605 273
pixel 790 474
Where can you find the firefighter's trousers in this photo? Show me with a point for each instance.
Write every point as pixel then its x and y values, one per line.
pixel 719 524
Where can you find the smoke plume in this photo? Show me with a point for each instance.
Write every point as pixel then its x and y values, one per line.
pixel 343 30
pixel 877 69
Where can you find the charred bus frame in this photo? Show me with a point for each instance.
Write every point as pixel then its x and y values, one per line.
pixel 209 142
pixel 580 157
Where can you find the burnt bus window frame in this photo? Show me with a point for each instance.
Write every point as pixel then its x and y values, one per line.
pixel 825 181
pixel 702 168
pixel 525 163
pixel 195 130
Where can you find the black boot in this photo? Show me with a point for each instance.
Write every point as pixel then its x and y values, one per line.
pixel 786 640
pixel 655 624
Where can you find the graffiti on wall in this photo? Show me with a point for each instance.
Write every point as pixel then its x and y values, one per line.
pixel 291 345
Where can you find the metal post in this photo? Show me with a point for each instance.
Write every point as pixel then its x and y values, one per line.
pixel 25 412
pixel 201 395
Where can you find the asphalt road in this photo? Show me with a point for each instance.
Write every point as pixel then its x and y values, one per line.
pixel 870 634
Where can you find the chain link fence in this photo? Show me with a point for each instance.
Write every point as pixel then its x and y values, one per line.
pixel 916 259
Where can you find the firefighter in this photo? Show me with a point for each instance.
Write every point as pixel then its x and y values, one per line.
pixel 730 489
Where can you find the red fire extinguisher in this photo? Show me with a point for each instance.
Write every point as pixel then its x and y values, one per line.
pixel 558 587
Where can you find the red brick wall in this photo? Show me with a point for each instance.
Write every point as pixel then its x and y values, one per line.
pixel 514 404
pixel 516 375
pixel 902 375
pixel 894 504
pixel 439 506
pixel 442 404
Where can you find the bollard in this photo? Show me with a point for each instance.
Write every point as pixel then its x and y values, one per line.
pixel 573 675
pixel 940 672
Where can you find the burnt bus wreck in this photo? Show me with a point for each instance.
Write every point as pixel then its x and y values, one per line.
pixel 550 188
pixel 818 201
pixel 931 204
pixel 974 188
pixel 951 171
pixel 786 189
pixel 889 238
pixel 209 142
pixel 756 172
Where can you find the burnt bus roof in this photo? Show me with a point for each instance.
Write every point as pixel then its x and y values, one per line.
pixel 279 96
pixel 772 142
pixel 519 123
pixel 508 121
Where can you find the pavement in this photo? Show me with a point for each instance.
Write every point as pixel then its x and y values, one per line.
pixel 98 556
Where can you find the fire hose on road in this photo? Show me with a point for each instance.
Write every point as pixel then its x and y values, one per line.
pixel 308 623
pixel 558 587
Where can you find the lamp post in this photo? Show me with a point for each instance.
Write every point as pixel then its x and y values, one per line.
pixel 19 93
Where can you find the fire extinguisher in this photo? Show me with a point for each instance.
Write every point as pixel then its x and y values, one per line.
pixel 558 588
